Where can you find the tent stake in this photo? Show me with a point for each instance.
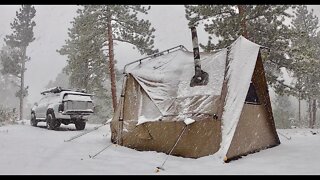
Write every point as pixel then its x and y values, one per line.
pixel 289 138
pixel 161 167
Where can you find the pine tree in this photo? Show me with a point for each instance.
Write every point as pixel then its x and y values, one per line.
pixel 14 56
pixel 262 24
pixel 122 24
pixel 84 49
pixel 7 90
pixel 305 55
pixel 86 59
pixel 92 37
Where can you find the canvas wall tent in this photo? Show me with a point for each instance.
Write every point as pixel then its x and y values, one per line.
pixel 232 113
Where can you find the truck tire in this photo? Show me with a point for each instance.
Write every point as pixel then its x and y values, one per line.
pixel 80 125
pixel 52 122
pixel 33 120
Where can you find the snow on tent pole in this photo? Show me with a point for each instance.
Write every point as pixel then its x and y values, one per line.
pixel 187 122
pixel 154 55
pixel 120 125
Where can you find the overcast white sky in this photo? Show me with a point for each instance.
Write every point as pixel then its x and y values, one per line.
pixel 51 30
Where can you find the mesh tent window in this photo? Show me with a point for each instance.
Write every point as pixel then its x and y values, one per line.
pixel 252 97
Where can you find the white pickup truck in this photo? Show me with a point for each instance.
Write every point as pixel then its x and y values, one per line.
pixel 65 106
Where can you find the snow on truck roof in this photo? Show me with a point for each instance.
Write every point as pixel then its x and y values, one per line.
pixel 68 94
pixel 65 91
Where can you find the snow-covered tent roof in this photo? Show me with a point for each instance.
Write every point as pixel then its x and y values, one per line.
pixel 166 80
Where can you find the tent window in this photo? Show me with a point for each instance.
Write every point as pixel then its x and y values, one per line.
pixel 252 97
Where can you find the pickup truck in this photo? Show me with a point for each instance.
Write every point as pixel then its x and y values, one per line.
pixel 64 106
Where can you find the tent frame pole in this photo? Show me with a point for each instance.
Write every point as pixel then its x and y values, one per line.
pixel 120 126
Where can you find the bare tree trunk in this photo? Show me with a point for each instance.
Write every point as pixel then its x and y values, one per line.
pixel 310 111
pixel 299 99
pixel 243 22
pixel 22 84
pixel 314 113
pixel 111 66
pixel 86 83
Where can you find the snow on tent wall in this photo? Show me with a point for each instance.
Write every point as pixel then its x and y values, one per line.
pixel 148 110
pixel 242 59
pixel 166 80
pixel 192 104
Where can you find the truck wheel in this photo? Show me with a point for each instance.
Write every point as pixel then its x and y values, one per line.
pixel 80 125
pixel 52 122
pixel 33 120
pixel 58 123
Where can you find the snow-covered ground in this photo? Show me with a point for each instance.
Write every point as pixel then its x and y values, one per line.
pixel 35 150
